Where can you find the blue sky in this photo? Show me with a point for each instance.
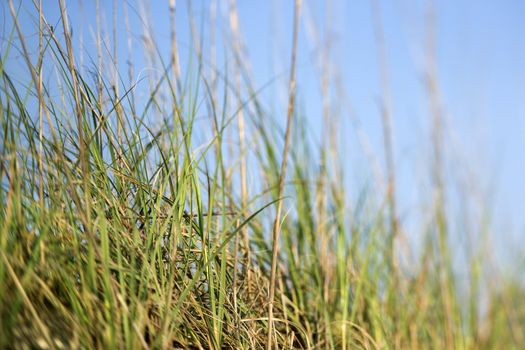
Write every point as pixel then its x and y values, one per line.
pixel 480 49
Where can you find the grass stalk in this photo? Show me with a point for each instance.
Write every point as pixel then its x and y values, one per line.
pixel 282 175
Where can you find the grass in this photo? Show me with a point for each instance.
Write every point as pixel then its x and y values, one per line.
pixel 125 222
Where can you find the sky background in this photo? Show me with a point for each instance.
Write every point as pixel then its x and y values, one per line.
pixel 480 57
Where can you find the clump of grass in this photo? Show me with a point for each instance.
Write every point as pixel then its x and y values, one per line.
pixel 121 228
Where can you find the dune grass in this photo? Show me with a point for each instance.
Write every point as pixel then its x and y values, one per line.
pixel 128 222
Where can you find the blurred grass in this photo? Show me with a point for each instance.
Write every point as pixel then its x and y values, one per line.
pixel 119 230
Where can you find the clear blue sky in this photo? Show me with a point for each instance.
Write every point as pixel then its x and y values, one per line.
pixel 481 72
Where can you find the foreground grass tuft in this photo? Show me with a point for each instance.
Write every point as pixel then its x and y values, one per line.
pixel 125 222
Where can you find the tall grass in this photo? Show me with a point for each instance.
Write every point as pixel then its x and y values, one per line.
pixel 127 222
